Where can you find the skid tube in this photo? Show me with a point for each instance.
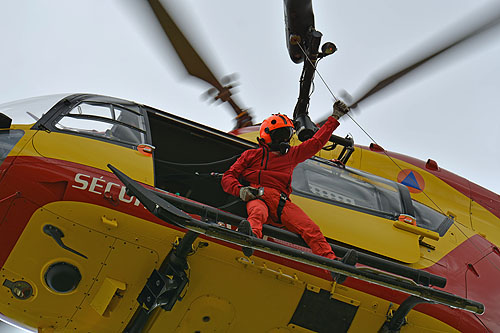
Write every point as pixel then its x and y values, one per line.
pixel 173 215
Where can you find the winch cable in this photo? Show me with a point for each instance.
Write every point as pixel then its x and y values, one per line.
pixel 373 140
pixel 234 157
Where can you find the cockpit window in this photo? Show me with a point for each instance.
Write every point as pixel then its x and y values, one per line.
pixel 361 191
pixel 106 121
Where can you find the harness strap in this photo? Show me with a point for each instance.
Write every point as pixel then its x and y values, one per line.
pixel 281 205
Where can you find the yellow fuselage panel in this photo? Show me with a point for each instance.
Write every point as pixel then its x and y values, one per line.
pixel 122 254
pixel 35 251
pixel 93 153
pixel 485 223
pixel 241 294
pixel 362 230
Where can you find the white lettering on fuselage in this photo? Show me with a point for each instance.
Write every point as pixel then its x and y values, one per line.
pixel 94 185
pixel 83 183
pixel 101 186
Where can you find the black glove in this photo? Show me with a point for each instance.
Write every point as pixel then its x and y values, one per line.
pixel 339 109
pixel 247 193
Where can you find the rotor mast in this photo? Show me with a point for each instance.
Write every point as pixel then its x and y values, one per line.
pixel 303 42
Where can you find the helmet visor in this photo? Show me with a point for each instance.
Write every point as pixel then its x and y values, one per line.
pixel 283 134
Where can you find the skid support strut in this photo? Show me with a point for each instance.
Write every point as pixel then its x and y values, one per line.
pixel 165 285
pixel 394 324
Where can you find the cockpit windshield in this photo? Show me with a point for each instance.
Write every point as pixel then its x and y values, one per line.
pixel 28 111
pixel 107 121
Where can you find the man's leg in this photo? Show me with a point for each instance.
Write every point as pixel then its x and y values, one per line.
pixel 295 220
pixel 257 215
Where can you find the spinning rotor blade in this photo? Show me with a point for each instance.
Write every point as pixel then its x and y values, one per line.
pixel 387 77
pixel 193 63
pixel 187 54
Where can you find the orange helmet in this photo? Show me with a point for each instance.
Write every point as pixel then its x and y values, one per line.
pixel 269 127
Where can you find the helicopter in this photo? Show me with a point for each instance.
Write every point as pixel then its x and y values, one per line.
pixel 114 291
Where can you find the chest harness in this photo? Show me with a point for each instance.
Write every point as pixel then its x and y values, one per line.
pixel 283 196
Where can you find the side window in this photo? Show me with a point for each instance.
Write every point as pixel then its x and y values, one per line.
pixel 8 139
pixel 106 121
pixel 347 188
pixel 430 219
pixel 361 191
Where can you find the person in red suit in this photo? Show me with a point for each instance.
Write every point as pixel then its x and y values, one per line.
pixel 271 167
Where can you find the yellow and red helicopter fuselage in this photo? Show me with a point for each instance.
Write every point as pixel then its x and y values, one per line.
pixel 78 248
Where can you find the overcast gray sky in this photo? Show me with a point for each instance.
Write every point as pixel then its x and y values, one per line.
pixel 447 111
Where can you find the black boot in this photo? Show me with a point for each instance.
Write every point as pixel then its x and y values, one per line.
pixel 350 258
pixel 245 228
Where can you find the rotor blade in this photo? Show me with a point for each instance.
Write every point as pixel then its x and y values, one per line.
pixel 384 79
pixel 194 64
pixel 187 54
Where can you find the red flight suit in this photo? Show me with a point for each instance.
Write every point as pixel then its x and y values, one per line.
pixel 273 171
